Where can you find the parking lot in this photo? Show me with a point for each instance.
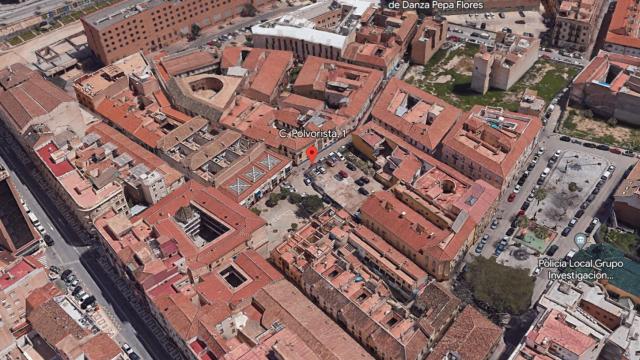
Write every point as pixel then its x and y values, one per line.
pixel 532 21
pixel 570 183
pixel 344 190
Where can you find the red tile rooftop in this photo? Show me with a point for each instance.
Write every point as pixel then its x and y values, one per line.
pixel 485 138
pixel 623 30
pixel 471 335
pixel 414 113
pixel 18 271
pixel 555 331
pixel 58 169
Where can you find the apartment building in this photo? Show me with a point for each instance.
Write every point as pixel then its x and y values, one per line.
pixel 626 199
pixel 500 68
pixel 581 321
pixel 18 234
pixel 20 277
pixel 346 89
pixel 192 258
pixel 429 37
pixel 265 73
pixel 349 272
pixel 610 86
pixel 434 189
pixel 623 35
pixel 452 7
pixel 149 25
pixel 382 39
pixel 577 24
pixel 491 144
pixel 416 116
pixel 322 29
pixel 284 130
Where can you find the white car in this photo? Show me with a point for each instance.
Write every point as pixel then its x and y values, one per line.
pixel 558 152
pixel 516 189
pixel 540 151
pixel 545 172
pixel 340 156
pixel 536 271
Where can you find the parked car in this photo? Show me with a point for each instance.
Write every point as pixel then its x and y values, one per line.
pixel 88 301
pixel 565 138
pixel 596 190
pixel 363 191
pixel 536 271
pixel 484 238
pixel 525 205
pixel 54 269
pixel 65 274
pixel 579 214
pixel 76 290
pixel 511 231
pixel 584 205
pixel 343 174
pixel 479 248
pixel 359 182
pixel 517 188
pixel 589 145
pixel 494 224
pixel 80 294
pixel 307 181
pixel 592 225
pixel 603 147
pixel 540 151
pixel 573 222
pixel 611 168
pixel 351 167
pixel 615 151
pixel 511 197
pixel 628 153
pixel 552 250
pixel 48 240
pixel 531 166
pixel 365 179
pixel 545 172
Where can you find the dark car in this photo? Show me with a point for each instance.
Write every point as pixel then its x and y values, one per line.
pixel 510 231
pixel 48 240
pixel 54 269
pixel 579 214
pixel 601 182
pixel 552 250
pixel 584 205
pixel 603 147
pixel 76 290
pixel 525 205
pixel 65 274
pixel 565 138
pixel 363 191
pixel 596 190
pixel 566 231
pixel 589 145
pixel 520 22
pixel 591 198
pixel 540 181
pixel 531 166
pixel 351 167
pixel 522 180
pixel 365 179
pixel 88 301
pixel 359 182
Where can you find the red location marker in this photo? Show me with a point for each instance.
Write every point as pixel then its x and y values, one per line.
pixel 312 152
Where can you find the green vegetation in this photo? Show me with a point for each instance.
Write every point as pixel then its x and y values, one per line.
pixel 256 211
pixel 503 288
pixel 309 205
pixel 457 87
pixel 248 11
pixel 606 136
pixel 627 242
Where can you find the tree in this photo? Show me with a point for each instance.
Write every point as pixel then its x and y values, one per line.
pixel 309 205
pixel 588 114
pixel 573 187
pixel 295 198
pixel 256 211
pixel 195 31
pixel 503 288
pixel 248 11
pixel 294 226
pixel 540 232
pixel 540 195
pixel 273 200
pixel 284 193
pixel 523 222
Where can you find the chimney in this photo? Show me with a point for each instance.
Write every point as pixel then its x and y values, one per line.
pixel 403 214
pixel 419 228
pixel 388 206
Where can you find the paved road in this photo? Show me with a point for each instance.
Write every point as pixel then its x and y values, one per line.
pixel 69 251
pixel 599 207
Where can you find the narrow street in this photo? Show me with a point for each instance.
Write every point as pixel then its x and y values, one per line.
pixel 71 252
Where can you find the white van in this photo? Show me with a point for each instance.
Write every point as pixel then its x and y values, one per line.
pixel 605 175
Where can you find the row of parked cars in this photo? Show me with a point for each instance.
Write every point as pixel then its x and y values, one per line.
pixel 86 301
pixel 603 147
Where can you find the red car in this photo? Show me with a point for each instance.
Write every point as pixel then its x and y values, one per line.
pixel 511 197
pixel 343 174
pixel 615 150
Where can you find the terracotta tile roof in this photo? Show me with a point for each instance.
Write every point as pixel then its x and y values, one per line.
pixel 181 63
pixel 624 29
pixel 437 306
pixel 301 103
pixel 15 74
pixel 471 335
pixel 317 76
pixel 283 302
pixel 101 347
pixel 415 113
pixel 30 99
pixel 555 330
pixel 54 324
pixel 491 147
pixel 417 232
